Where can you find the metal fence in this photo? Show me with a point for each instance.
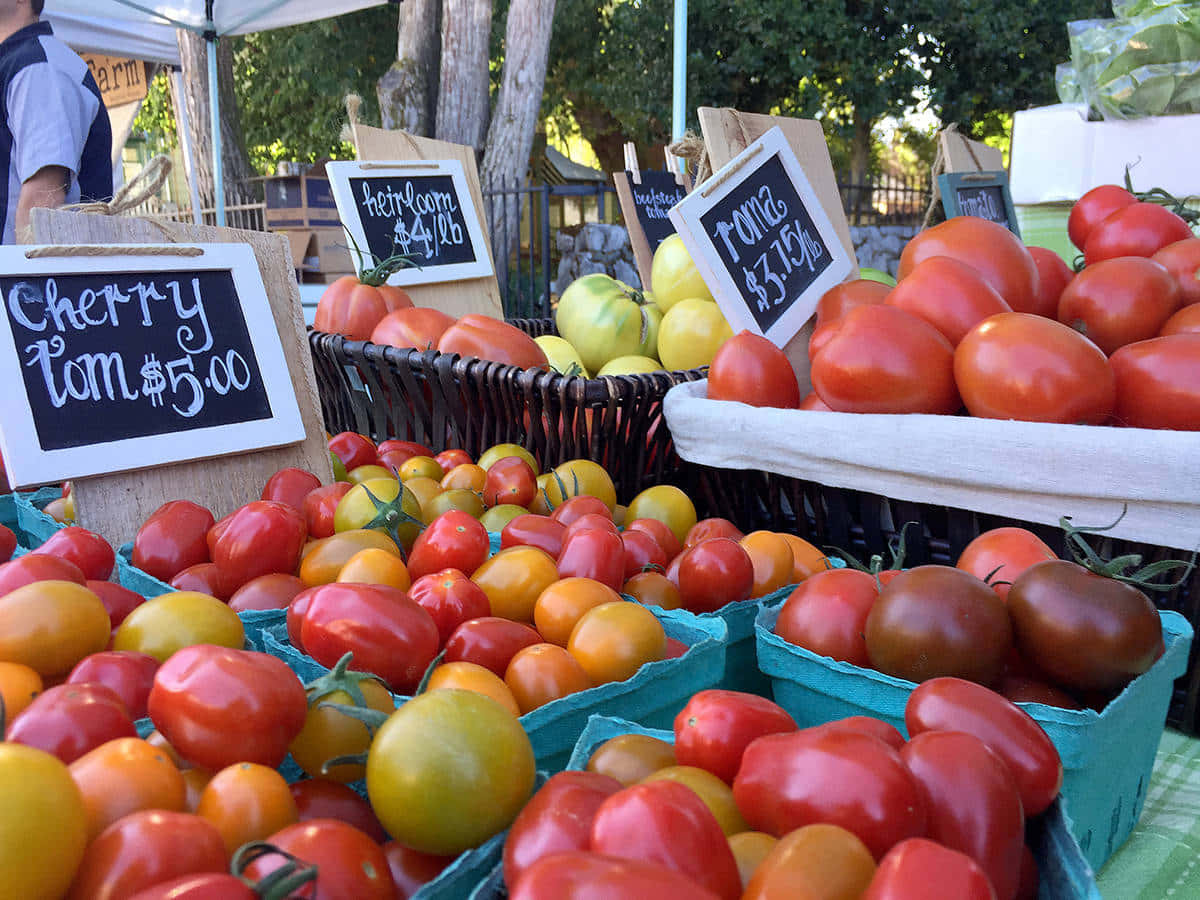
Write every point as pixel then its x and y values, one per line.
pixel 887 200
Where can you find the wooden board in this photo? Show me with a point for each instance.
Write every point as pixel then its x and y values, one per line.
pixel 637 238
pixel 455 298
pixel 116 505
pixel 961 154
pixel 728 132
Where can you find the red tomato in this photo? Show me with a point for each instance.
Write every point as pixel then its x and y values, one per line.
pixel 1182 260
pixel 482 337
pixel 715 727
pixel 350 865
pixel 713 573
pixel 952 704
pixel 1093 208
pixel 353 449
pixel 455 456
pixel 991 249
pixel 320 798
pixel 130 675
pixel 68 720
pixel 1139 229
pixel 972 803
pixel 812 401
pixel 1185 321
pixel 147 848
pixel 92 553
pixel 8 543
pixel 199 886
pixel 490 641
pixel 217 706
pixel 119 601
pixel 577 875
pixel 1157 383
pixel 390 635
pixel 1000 555
pixel 642 553
pixel 273 591
pixel 750 369
pixel 290 486
pixel 558 818
pixel 320 505
pixel 579 506
pixel 1053 276
pixel 827 614
pixel 921 869
pixel 1119 301
pixel 839 300
pixel 948 294
pixel 205 577
pixel 666 822
pixel 393 453
pixel 454 540
pixel 450 598
pixel 261 537
pixel 885 360
pixel 353 308
pixel 37 567
pixel 411 869
pixel 675 649
pixel 1025 367
pixel 172 538
pixel 533 530
pixel 295 616
pixel 661 532
pixel 843 778
pixel 886 732
pixel 711 528
pixel 418 327
pixel 593 553
pixel 591 520
pixel 510 480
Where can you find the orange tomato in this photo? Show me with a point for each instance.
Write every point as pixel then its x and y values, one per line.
pixel 564 602
pixel 613 640
pixel 514 578
pixel 653 589
pixel 540 673
pixel 123 776
pixel 420 467
pixel 328 733
pixel 325 557
pixel 816 862
pixel 716 794
pixel 467 676
pixel 51 625
pixel 19 684
pixel 468 476
pixel 806 559
pixel 630 758
pixel 247 802
pixel 750 848
pixel 773 561
pixel 376 566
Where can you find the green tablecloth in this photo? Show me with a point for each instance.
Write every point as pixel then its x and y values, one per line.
pixel 1161 859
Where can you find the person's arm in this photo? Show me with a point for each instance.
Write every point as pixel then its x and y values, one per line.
pixel 46 187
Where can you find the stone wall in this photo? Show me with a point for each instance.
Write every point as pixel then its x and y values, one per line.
pixel 879 246
pixel 595 248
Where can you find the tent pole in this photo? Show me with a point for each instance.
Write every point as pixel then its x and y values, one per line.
pixel 185 138
pixel 214 107
pixel 679 85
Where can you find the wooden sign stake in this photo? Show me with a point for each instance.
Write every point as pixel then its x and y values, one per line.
pixel 645 210
pixel 631 163
pixel 115 505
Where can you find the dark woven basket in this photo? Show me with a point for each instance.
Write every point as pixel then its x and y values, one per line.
pixel 865 524
pixel 443 401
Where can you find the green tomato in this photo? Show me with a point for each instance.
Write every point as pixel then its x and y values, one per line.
pixel 602 319
pixel 673 275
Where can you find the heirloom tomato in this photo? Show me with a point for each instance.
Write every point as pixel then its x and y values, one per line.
pixel 164 625
pixel 68 720
pixel 750 369
pixel 321 798
pixel 419 327
pixel 1182 260
pixel 673 275
pixel 543 672
pixel 1053 276
pixel 88 550
pixel 630 758
pixel 1093 208
pixel 454 540
pixel 921 869
pixel 691 333
pixel 998 556
pixel 948 294
pixel 261 537
pixel 124 775
pixel 827 614
pixel 513 579
pixel 1139 229
pixel 490 641
pixel 1119 301
pixel 172 538
pixel 713 573
pixel 582 875
pixel 483 337
pixel 1157 384
pixel 247 802
pixel 602 319
pixel 130 675
pixel 819 861
pixel 713 730
pixel 353 307
pixel 613 640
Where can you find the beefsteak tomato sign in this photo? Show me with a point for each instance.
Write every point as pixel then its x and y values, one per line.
pixel 653 198
pixel 420 210
pixel 763 244
pixel 137 358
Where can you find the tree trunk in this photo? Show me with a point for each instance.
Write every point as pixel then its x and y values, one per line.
pixel 510 136
pixel 860 166
pixel 408 91
pixel 193 53
pixel 462 102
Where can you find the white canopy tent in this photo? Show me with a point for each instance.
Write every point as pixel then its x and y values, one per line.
pixel 211 19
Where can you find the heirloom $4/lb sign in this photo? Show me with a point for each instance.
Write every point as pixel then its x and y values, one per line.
pixel 761 240
pixel 421 210
pixel 135 358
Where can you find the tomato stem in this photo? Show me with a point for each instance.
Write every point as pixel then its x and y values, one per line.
pixel 279 884
pixel 1116 567
pixel 380 270
pixel 390 515
pixel 370 717
pixel 433 664
pixel 339 678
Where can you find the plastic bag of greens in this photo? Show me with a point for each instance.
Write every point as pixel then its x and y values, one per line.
pixel 1127 9
pixel 1066 84
pixel 1154 90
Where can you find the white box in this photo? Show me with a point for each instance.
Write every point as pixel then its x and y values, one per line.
pixel 1058 155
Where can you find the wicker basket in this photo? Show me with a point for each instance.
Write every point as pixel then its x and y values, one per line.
pixel 445 401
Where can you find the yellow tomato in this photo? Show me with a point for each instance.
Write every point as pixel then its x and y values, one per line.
pixel 163 625
pixel 456 498
pixel 750 848
pixel 673 275
pixel 497 517
pixel 424 489
pixel 514 578
pixel 51 625
pixel 668 504
pixel 564 358
pixel 629 365
pixel 716 794
pixel 691 333
pixel 359 474
pixel 420 467
pixel 499 451
pixel 394 510
pixel 580 476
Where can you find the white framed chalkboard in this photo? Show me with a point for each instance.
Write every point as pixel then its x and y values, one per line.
pixel 133 356
pixel 419 209
pixel 761 240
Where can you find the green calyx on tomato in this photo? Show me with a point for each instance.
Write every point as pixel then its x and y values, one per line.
pixel 1117 568
pixel 392 519
pixel 340 678
pixel 279 883
pixel 380 270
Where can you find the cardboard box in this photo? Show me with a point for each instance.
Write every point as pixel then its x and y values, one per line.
pixel 299 201
pixel 1057 155
pixel 319 251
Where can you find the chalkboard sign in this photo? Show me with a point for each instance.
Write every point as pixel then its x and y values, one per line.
pixel 652 200
pixel 421 210
pixel 981 194
pixel 132 360
pixel 760 238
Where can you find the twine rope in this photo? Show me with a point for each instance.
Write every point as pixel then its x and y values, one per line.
pixel 94 250
pixel 935 213
pixel 147 184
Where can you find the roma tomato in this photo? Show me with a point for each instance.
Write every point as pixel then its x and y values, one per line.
pixel 484 337
pixel 557 819
pixel 273 591
pixel 885 360
pixel 579 875
pixel 130 675
pixel 1033 369
pixel 540 673
pixel 19 684
pixel 836 302
pixel 88 550
pixel 952 704
pixel 70 719
pixel 937 620
pixel 823 861
pixel 972 802
pixel 51 625
pixel 489 641
pixel 204 578
pixel 454 540
pixel 921 869
pixel 841 778
pixel 354 307
pixel 217 706
pixel 948 294
pixel 827 614
pixel 750 369
pixel 1187 320
pixel 172 538
pixel 714 573
pixel 1157 385
pixel 998 556
pixel 321 798
pixel 450 598
pixel 1093 208
pixel 1119 301
pixel 665 822
pixel 290 486
pixel 1182 260
pixel 419 327
pixel 261 537
pixel 513 579
pixel 593 553
pixel 118 601
pixel 532 530
pixel 868 725
pixel 662 533
pixel 1053 276
pixel 125 775
pixel 713 730
pixel 1139 229
pixel 350 866
pixel 319 506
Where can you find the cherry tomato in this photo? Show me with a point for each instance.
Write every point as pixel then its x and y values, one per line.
pixel 19 684
pixel 118 601
pixel 321 798
pixel 642 553
pixel 125 775
pixel 1139 229
pixel 601 521
pixel 319 506
pixel 771 556
pixel 1156 383
pixel 562 604
pixel 540 673
pixel 921 869
pixel 1182 260
pixel 290 486
pixel 247 802
pixel 199 886
pixel 662 534
pixel 172 538
pixel 827 614
pixel 88 550
pixel 490 641
pixel 631 758
pixel 579 875
pixel 456 456
pixel 653 589
pixel 750 369
pixel 451 598
pixel 273 591
pixel 51 625
pixel 576 507
pixel 1119 301
pixel 68 720
pixel 948 294
pixel 261 537
pixel 1053 276
pixel 204 578
pixel 1033 369
pixel 130 675
pixel 819 861
pixel 1093 208
pixel 510 480
pixel 613 640
pixel 713 730
pixel 350 865
pixel 37 567
pixel 411 870
pixel 711 528
pixel 714 573
pixel 998 556
pixel 593 553
pixel 324 558
pixel 513 579
pixel 166 624
pixel 533 530
pixel 353 449
pixel 454 540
